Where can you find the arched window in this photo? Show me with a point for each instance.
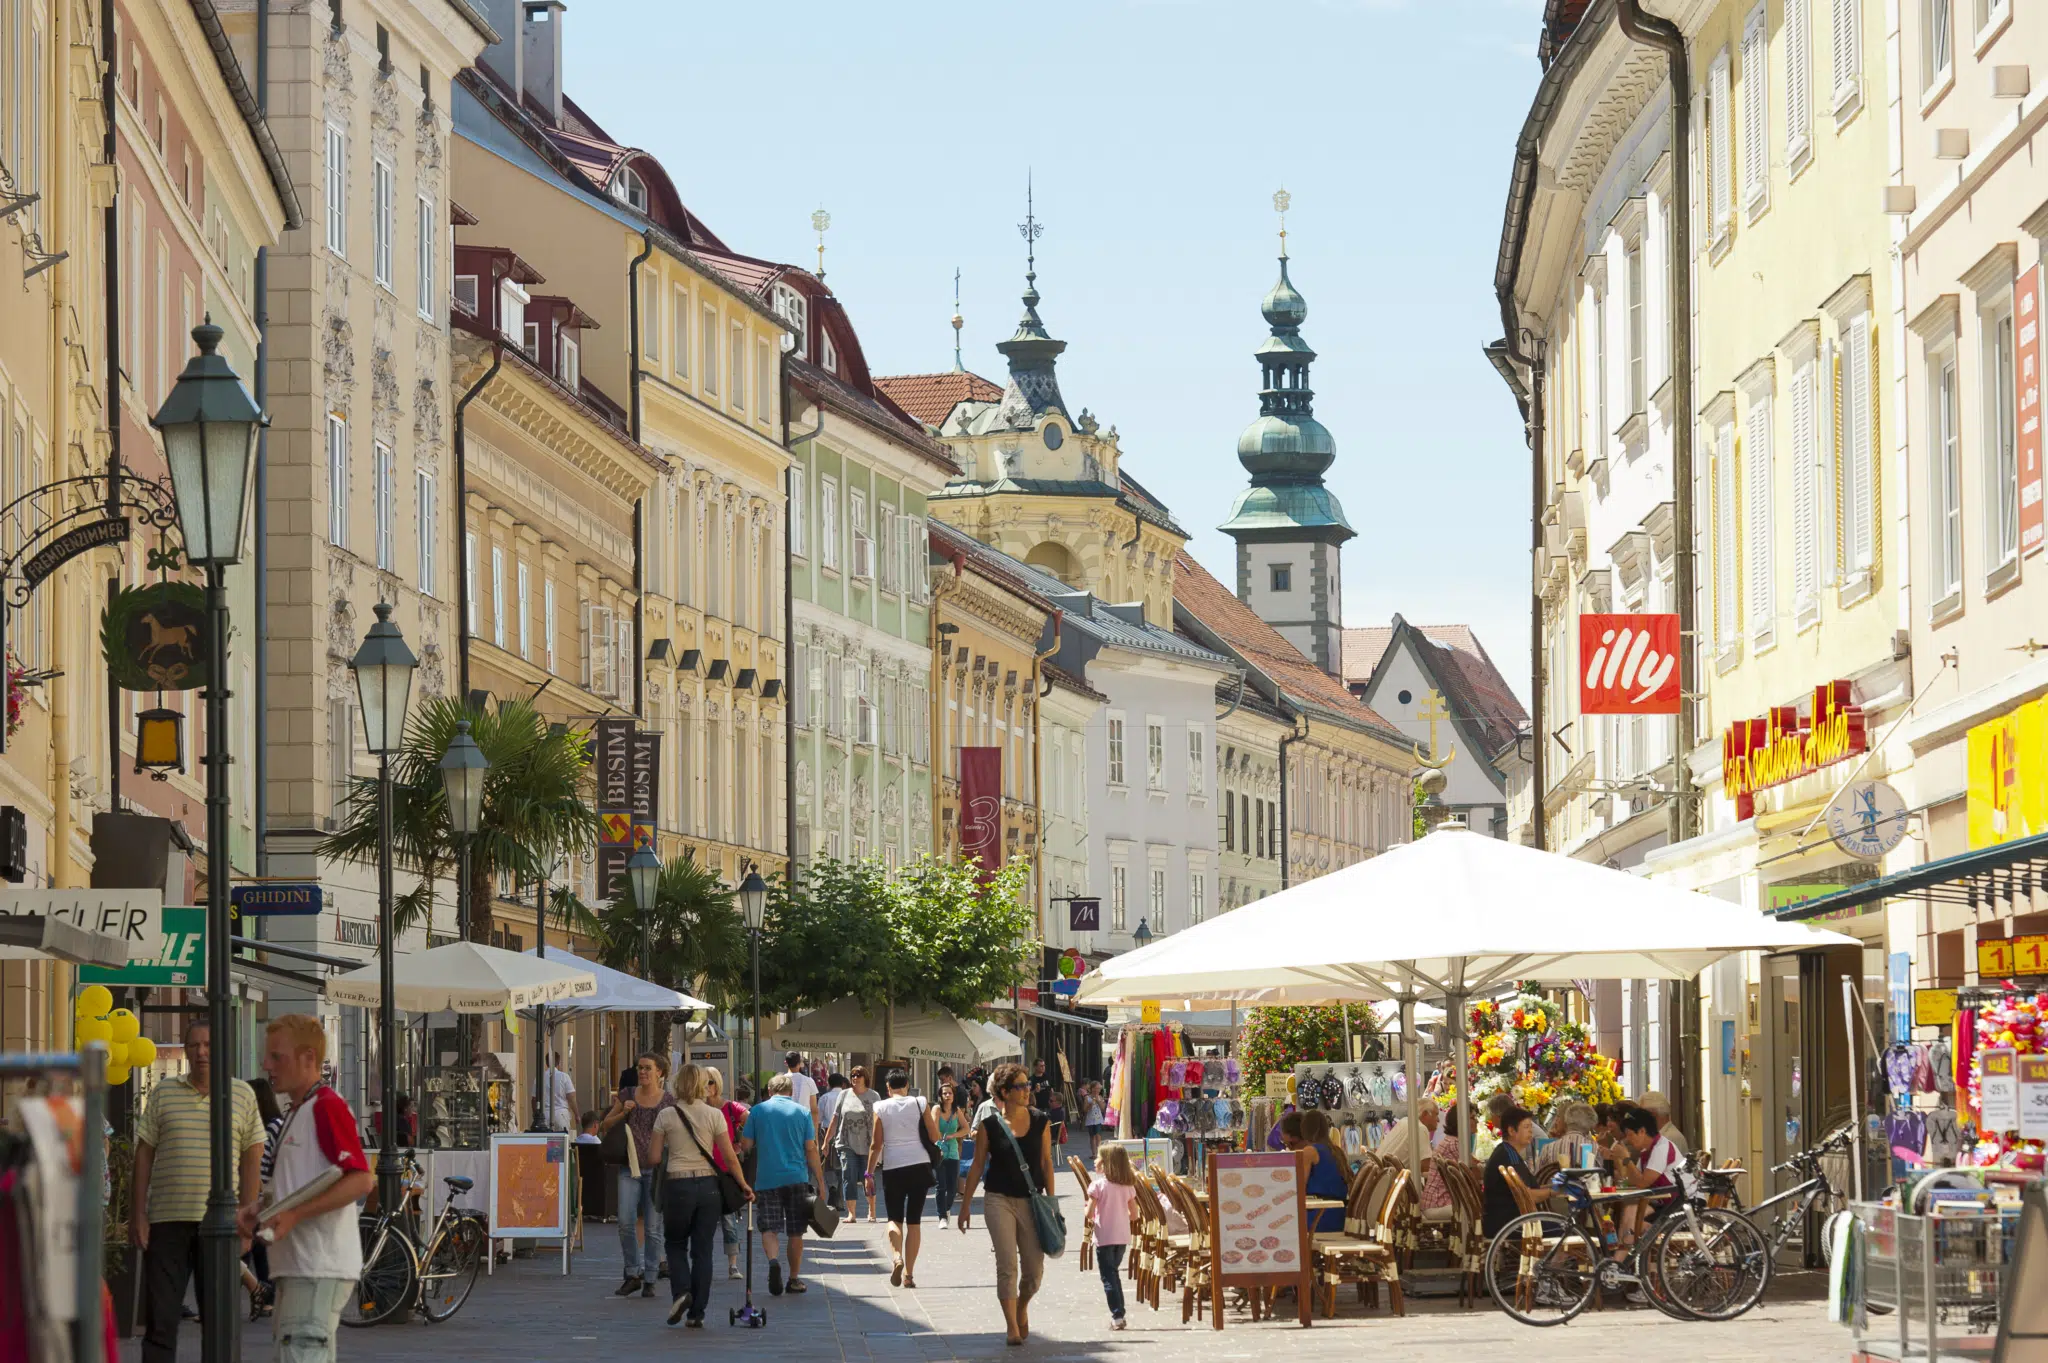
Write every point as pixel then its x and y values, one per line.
pixel 629 189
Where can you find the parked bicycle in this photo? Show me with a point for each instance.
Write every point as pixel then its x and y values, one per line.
pixel 1544 1267
pixel 399 1272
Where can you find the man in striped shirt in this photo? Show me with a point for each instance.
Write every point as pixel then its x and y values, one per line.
pixel 173 1174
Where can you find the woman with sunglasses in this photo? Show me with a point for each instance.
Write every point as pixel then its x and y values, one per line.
pixel 1015 1129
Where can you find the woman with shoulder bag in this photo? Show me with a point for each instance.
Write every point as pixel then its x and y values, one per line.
pixel 637 1108
pixel 692 1137
pixel 906 1136
pixel 1014 1145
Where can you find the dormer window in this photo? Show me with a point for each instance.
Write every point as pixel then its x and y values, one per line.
pixel 465 293
pixel 1052 435
pixel 512 301
pixel 629 189
pixel 794 309
pixel 828 354
pixel 532 342
pixel 568 361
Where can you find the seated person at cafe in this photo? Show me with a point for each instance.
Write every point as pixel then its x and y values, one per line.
pixel 1517 1136
pixel 1657 1105
pixel 1571 1130
pixel 1654 1164
pixel 1329 1173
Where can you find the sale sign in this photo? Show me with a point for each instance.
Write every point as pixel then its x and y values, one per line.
pixel 2026 358
pixel 1628 664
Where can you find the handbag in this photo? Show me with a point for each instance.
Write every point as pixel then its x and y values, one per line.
pixel 730 1196
pixel 821 1215
pixel 1045 1212
pixel 924 1137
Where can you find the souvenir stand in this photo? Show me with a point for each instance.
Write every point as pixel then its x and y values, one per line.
pixel 54 1200
pixel 1163 1096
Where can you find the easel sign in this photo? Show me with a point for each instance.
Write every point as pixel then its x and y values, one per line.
pixel 530 1188
pixel 1258 1204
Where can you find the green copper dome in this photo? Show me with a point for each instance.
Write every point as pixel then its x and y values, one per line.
pixel 1283 305
pixel 1286 450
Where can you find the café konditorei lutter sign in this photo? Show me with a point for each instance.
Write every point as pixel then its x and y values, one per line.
pixel 1784 745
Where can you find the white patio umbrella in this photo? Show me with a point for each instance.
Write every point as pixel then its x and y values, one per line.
pixel 465 977
pixel 1453 916
pixel 919 1034
pixel 614 991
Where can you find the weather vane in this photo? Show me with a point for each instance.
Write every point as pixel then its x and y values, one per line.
pixel 821 220
pixel 1282 200
pixel 957 323
pixel 1031 229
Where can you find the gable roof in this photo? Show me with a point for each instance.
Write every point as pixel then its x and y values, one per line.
pixel 1479 696
pixel 932 397
pixel 1263 647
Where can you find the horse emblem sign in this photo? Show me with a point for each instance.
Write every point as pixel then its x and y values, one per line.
pixel 154 637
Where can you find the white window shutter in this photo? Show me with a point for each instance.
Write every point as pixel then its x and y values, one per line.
pixel 583 646
pixel 1755 110
pixel 1858 452
pixel 1720 151
pixel 1798 25
pixel 1758 472
pixel 1805 495
pixel 1848 43
pixel 1725 581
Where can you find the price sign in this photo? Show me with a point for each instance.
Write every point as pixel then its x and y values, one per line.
pixel 2034 1097
pixel 2030 954
pixel 1934 1007
pixel 2003 957
pixel 1148 1012
pixel 1994 957
pixel 1998 1092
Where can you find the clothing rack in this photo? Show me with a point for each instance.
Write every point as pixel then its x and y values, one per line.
pixel 90 1065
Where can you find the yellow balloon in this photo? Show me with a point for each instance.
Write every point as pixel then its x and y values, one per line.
pixel 117 1054
pixel 117 1075
pixel 141 1053
pixel 94 1029
pixel 126 1026
pixel 95 1000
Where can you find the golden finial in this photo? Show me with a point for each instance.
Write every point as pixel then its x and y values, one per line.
pixel 821 220
pixel 1282 200
pixel 1434 711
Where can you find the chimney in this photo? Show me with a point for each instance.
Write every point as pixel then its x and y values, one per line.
pixel 540 52
pixel 501 58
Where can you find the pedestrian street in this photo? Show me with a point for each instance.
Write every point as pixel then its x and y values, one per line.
pixel 528 1311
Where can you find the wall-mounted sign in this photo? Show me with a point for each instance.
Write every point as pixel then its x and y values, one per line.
pixel 1934 1007
pixel 154 637
pixel 1867 818
pixel 1784 746
pixel 2008 957
pixel 180 957
pixel 279 901
pixel 1084 915
pixel 1628 664
pixel 135 916
pixel 72 543
pixel 2026 358
pixel 355 933
pixel 614 800
pixel 2007 782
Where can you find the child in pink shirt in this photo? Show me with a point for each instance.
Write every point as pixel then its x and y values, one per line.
pixel 1112 1201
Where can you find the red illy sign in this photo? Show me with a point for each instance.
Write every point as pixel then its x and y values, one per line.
pixel 1628 664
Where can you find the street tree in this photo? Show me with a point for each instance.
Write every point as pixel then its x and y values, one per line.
pixel 696 937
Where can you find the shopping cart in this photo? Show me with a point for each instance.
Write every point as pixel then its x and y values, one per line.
pixel 1929 1286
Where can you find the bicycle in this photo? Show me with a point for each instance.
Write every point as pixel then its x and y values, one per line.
pixel 1544 1267
pixel 399 1274
pixel 1797 1202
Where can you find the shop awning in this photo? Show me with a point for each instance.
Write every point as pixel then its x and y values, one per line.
pixel 1979 878
pixel 1032 1010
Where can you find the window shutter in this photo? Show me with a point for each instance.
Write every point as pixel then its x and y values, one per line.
pixel 1805 495
pixel 1798 74
pixel 1755 91
pixel 1725 581
pixel 583 646
pixel 1847 45
pixel 1758 472
pixel 1859 449
pixel 623 660
pixel 1720 152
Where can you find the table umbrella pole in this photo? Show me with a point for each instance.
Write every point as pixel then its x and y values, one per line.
pixel 1409 1045
pixel 1455 1004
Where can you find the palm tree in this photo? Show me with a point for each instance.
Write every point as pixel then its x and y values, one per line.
pixel 535 810
pixel 697 941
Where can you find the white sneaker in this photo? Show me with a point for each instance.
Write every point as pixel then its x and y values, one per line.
pixel 1116 1322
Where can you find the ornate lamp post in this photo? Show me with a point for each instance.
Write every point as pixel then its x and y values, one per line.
pixel 462 777
pixel 384 667
pixel 754 904
pixel 209 425
pixel 643 875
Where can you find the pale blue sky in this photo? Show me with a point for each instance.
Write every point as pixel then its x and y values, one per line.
pixel 1157 131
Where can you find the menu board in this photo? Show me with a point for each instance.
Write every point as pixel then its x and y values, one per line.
pixel 1998 1090
pixel 529 1186
pixel 1257 1205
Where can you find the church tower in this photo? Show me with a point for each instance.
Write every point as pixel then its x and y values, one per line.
pixel 1289 529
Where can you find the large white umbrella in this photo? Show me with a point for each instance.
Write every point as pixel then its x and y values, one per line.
pixel 918 1034
pixel 614 991
pixel 465 977
pixel 1453 916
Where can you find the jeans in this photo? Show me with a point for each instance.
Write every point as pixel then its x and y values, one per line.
pixel 636 1199
pixel 853 1169
pixel 731 1226
pixel 1108 1260
pixel 307 1318
pixel 691 1211
pixel 948 1186
pixel 170 1262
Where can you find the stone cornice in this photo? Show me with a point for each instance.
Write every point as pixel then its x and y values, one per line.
pixel 558 425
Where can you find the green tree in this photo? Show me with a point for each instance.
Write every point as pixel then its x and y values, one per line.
pixel 535 810
pixel 932 935
pixel 697 940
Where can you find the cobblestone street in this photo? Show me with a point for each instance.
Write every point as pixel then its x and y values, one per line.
pixel 529 1311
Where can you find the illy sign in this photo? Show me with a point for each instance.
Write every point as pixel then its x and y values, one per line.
pixel 1628 664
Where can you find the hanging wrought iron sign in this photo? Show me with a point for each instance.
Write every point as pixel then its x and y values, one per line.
pixel 69 545
pixel 154 637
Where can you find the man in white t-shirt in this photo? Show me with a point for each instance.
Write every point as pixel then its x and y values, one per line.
pixel 558 1096
pixel 1657 1168
pixel 316 1250
pixel 803 1089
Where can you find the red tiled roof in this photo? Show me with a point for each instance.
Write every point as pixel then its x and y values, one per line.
pixel 1259 644
pixel 932 397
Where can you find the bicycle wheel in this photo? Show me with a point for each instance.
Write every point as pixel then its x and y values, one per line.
pixel 390 1275
pixel 1712 1262
pixel 452 1265
pixel 1542 1268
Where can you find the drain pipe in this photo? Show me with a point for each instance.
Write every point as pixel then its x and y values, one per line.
pixel 110 154
pixel 261 571
pixel 462 583
pixel 1286 835
pixel 1664 35
pixel 639 527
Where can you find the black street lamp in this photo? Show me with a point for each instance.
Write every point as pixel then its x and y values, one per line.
pixel 643 876
pixel 1142 936
pixel 462 777
pixel 384 667
pixel 754 904
pixel 209 425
